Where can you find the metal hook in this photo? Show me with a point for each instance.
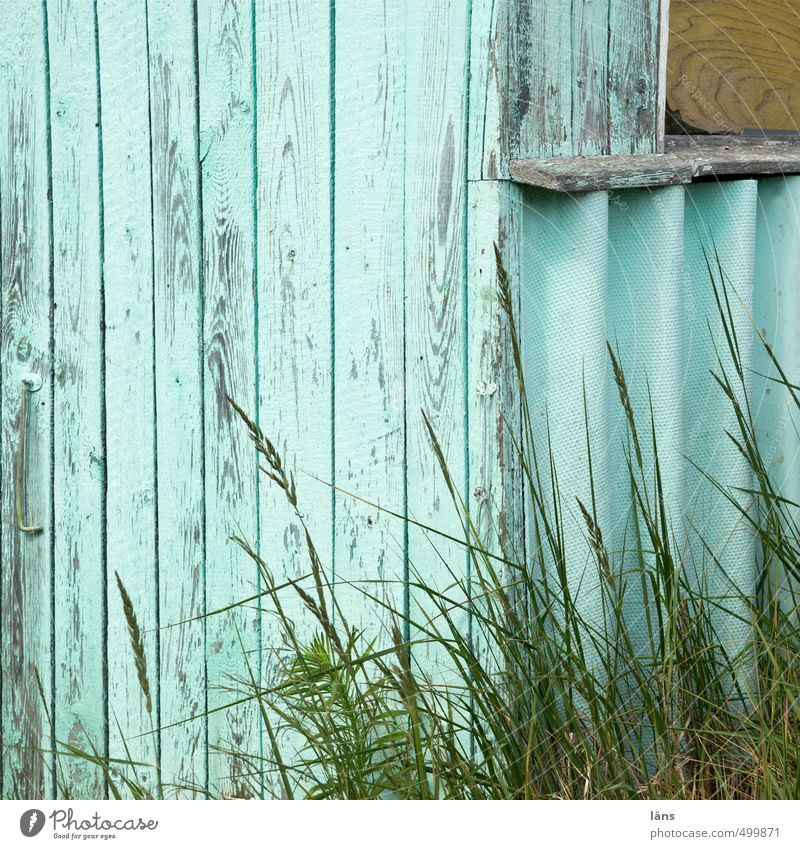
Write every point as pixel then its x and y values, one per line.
pixel 30 383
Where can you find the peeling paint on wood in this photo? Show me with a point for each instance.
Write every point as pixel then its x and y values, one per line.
pixel 129 391
pixel 294 295
pixel 495 488
pixel 177 313
pixel 225 33
pixel 297 205
pixel 591 124
pixel 435 330
pixel 487 80
pixel 78 451
pixel 369 375
pixel 25 603
pixel 561 78
pixel 634 39
pixel 687 158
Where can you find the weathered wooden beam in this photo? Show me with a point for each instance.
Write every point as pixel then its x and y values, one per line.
pixel 717 156
pixel 590 173
pixel 686 158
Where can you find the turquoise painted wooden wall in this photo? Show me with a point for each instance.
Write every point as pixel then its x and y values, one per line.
pixel 292 202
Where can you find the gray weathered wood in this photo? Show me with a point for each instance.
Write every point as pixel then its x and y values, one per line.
pixel 687 158
pixel 25 577
pixel 634 76
pixel 661 97
pixel 589 173
pixel 747 156
pixel 78 447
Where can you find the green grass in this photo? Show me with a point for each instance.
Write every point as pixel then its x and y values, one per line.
pixel 536 699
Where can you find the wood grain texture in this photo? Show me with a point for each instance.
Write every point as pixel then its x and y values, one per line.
pixel 582 174
pixel 294 298
pixel 661 96
pixel 687 158
pixel 633 61
pixel 435 331
pixel 538 73
pixel 495 487
pixel 716 156
pixel 129 401
pixel 559 78
pixel 25 260
pixel 179 390
pixel 591 32
pixel 735 65
pixel 488 72
pixel 223 276
pixel 369 315
pixel 540 88
pixel 226 155
pixel 520 83
pixel 79 461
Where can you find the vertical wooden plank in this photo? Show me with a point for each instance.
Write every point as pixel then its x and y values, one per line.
pixel 541 84
pixel 590 130
pixel 80 710
pixel 663 52
pixel 130 407
pixel 226 153
pixel 556 78
pixel 488 93
pixel 436 99
pixel 523 86
pixel 495 486
pixel 179 391
pixel 25 349
pixel 369 310
pixel 634 75
pixel 499 99
pixel 294 294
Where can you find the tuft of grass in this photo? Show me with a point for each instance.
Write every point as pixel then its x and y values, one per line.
pixel 532 696
pixel 540 700
pixel 137 644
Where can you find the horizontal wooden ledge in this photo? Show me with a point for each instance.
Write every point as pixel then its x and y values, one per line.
pixel 686 158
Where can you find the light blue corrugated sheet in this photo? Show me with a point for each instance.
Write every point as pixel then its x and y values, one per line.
pixel 630 267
